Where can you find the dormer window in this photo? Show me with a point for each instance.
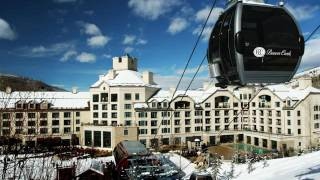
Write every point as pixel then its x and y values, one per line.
pixel 120 60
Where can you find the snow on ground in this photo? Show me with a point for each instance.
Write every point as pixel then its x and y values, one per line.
pixel 306 166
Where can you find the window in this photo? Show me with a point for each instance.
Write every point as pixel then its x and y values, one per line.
pixel 143 131
pixel 299 122
pixel 104 97
pixel 55 122
pixel 113 115
pixel 142 114
pixel 165 114
pixel 165 104
pixel 31 115
pixel 316 125
pixel 208 120
pixel 127 106
pixel 187 122
pixel 288 113
pixel 104 107
pixel 198 113
pixel 87 138
pixel 67 122
pixel 95 115
pixel 77 129
pixel 55 115
pixel 6 116
pixel 125 132
pixel 137 96
pixel 55 130
pixel 19 123
pixel 78 121
pixel 154 114
pixel 97 138
pixel 176 114
pixel 198 128
pixel 277 104
pixel 114 106
pixel 95 98
pixel 153 131
pixel 43 123
pixel 298 113
pixel 165 122
pixel 315 108
pixel 198 121
pixel 235 104
pixel 154 123
pixel 95 107
pixel 66 130
pixel 127 96
pixel 165 130
pixel 127 123
pixel 114 97
pixel 127 114
pixel 43 130
pixel 6 123
pixel 176 130
pixel 19 115
pixel 187 129
pixel 207 128
pixel 104 115
pixel 106 139
pixel 43 115
pixel 207 113
pixel 207 105
pixel 253 104
pixel 299 131
pixel 77 114
pixel 187 114
pixel 67 114
pixel 177 122
pixel 289 131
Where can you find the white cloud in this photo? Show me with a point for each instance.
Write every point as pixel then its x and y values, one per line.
pixel 68 55
pixel 128 39
pixel 303 12
pixel 311 55
pixel 6 31
pixel 64 1
pixel 91 29
pixel 206 32
pixel 107 56
pixel 192 71
pixel 86 57
pixel 152 9
pixel 128 49
pixel 98 41
pixel 44 51
pixel 141 42
pixel 177 25
pixel 202 14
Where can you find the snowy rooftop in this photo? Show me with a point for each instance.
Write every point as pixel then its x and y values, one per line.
pixel 64 100
pixel 123 78
pixel 284 91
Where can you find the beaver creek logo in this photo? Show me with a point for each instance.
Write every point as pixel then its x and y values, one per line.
pixel 259 52
pixel 284 52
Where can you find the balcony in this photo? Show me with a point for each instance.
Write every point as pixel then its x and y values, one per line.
pixel 222 105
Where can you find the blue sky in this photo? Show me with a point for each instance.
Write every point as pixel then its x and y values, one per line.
pixel 70 42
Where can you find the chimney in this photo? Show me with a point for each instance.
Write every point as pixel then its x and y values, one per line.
pixel 74 90
pixel 147 77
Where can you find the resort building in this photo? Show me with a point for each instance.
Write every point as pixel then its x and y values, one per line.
pixel 125 104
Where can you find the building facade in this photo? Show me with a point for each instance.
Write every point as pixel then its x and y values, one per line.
pixel 127 105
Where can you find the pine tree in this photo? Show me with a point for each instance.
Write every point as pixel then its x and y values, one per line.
pixel 250 167
pixel 215 165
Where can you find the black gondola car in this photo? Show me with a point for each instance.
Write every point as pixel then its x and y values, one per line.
pixel 254 43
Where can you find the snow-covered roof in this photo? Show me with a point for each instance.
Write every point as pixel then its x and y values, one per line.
pixel 197 95
pixel 123 78
pixel 284 91
pixel 309 72
pixel 65 100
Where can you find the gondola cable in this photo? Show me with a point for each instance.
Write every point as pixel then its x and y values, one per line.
pixel 189 59
pixel 312 33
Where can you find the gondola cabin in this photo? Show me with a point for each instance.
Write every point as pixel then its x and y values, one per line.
pixel 254 43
